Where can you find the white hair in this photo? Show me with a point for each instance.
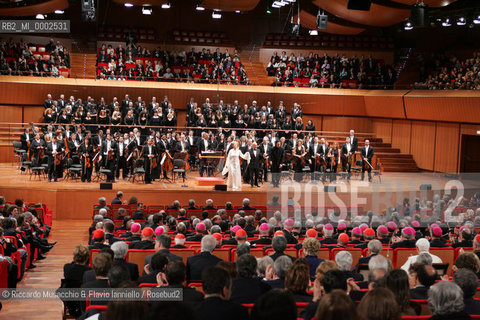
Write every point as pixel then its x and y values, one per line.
pixel 119 249
pixel 422 245
pixel 344 260
pixel 208 243
pixel 445 298
pixel 378 262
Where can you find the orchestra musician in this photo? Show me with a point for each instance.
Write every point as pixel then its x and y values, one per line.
pixel 149 155
pixel 86 152
pixel 333 159
pixel 182 147
pixel 299 157
pixel 37 149
pixel 265 149
pixel 107 157
pixel 121 158
pixel 192 142
pixel 54 152
pixel 346 154
pixel 314 152
pixel 202 146
pixel 353 141
pixel 367 155
pixel 162 147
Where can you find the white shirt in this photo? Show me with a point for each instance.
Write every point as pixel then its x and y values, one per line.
pixel 54 147
pixel 120 149
pixel 149 149
pixel 265 146
pixel 412 259
pixel 109 145
pixel 366 150
pixel 315 146
pixel 205 143
pixel 190 139
pixel 348 147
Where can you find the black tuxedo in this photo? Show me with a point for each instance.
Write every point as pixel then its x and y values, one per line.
pixel 148 152
pixel 256 157
pixel 354 142
pixel 24 141
pixel 346 167
pixel 54 170
pixel 109 163
pixel 276 157
pixel 196 264
pixel 215 308
pixel 201 148
pixel 86 152
pixel 266 150
pixel 122 156
pixel 35 147
pixel 367 154
pixel 131 267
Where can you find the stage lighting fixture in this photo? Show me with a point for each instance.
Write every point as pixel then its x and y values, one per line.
pixel 128 4
pixel 59 12
pixel 408 25
pixel 40 16
pixel 147 10
pixel 313 32
pixel 446 23
pixel 418 13
pixel 476 20
pixel 269 9
pixel 461 21
pixel 216 14
pixel 237 11
pixel 199 7
pixel 291 1
pixel 363 5
pixel 322 21
pixel 166 5
pixel 277 4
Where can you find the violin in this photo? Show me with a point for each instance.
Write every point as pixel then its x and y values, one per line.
pixel 153 163
pixel 67 148
pixel 88 162
pixel 57 159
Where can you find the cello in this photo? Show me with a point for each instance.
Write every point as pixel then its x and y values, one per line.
pixel 167 164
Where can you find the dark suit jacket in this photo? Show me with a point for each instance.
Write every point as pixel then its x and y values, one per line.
pixel 419 293
pixel 197 263
pixel 88 276
pixel 144 244
pixel 255 161
pixel 276 284
pixel 131 267
pixel 116 201
pixel 277 255
pixel 369 155
pixel 215 308
pixel 148 278
pixel 170 257
pixel 472 306
pixel 246 290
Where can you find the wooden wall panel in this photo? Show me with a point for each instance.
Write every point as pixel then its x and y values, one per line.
pixel 447 147
pixel 10 113
pixel 401 135
pixel 423 144
pixel 383 129
pixel 6 153
pixel 384 103
pixel 33 114
pixel 345 124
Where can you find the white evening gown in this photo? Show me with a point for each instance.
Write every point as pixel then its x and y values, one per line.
pixel 232 167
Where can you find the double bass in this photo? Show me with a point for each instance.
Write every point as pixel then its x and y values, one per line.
pixel 167 164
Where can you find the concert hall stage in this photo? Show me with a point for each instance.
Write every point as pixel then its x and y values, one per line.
pixel 74 199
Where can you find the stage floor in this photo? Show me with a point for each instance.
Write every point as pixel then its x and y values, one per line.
pixel 75 199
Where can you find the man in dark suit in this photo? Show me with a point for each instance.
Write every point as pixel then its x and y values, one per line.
pixel 367 155
pixel 197 263
pixel 157 264
pixel 162 245
pixel 120 249
pixel 217 286
pixel 108 154
pixel 346 154
pixel 54 152
pixel 48 102
pixel 203 145
pixel 254 167
pixel 353 140
pixel 101 264
pixel 109 228
pixel 150 156
pixel 247 287
pixel 26 138
pixel 279 244
pixel 146 242
pixel 118 199
pixel 266 150
pixel 467 280
pixel 425 276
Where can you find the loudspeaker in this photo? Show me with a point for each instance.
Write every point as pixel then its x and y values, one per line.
pixel 359 5
pixel 220 187
pixel 330 188
pixel 322 21
pixel 425 187
pixel 105 186
pixel 419 12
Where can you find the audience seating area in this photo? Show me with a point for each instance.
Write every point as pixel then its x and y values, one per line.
pixel 200 37
pixel 329 41
pixel 119 33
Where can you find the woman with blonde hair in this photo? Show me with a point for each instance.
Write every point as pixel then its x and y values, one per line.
pixel 232 166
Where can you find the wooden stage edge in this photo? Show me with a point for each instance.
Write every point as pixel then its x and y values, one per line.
pixel 75 200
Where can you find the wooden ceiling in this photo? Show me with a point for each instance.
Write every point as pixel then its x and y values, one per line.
pixel 309 21
pixel 32 10
pixel 223 5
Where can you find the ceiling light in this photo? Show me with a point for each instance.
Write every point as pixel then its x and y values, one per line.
pixel 313 32
pixel 128 4
pixel 291 1
pixel 199 7
pixel 216 14
pixel 278 4
pixel 461 21
pixel 166 5
pixel 40 16
pixel 446 23
pixel 237 11
pixel 147 10
pixel 408 26
pixel 59 12
pixel 476 20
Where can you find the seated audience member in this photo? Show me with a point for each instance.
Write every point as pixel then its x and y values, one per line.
pixel 96 219
pixel 328 235
pixel 276 304
pixel 157 265
pixel 279 244
pixel 117 275
pixel 421 277
pixel 379 304
pixel 423 246
pixel 247 288
pixel 311 246
pixel 437 240
pixel 200 231
pixel 464 239
pixel 175 277
pixel 445 300
pixel 275 274
pixel 120 250
pixel 135 233
pixel 243 249
pixel 262 265
pixel 101 264
pixel 397 281
pixel 467 280
pixel 98 240
pixel 382 234
pixel 198 262
pixel 162 245
pixel 246 205
pixel 467 260
pixel 146 241
pixel 217 286
pixel 378 266
pixel 263 235
pixel 171 310
pixel 240 238
pixel 336 305
pixel 368 236
pixel 374 247
pixel 406 241
pixel 89 275
pixel 109 228
pixel 209 205
pixel 297 280
pixel 344 261
pixel 476 244
pixel 179 241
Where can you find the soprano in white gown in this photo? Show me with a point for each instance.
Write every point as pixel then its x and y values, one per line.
pixel 232 167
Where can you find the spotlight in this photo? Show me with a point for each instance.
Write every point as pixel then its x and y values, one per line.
pixel 59 12
pixel 147 10
pixel 408 26
pixel 128 4
pixel 291 1
pixel 216 14
pixel 446 23
pixel 476 20
pixel 277 4
pixel 313 32
pixel 199 7
pixel 40 16
pixel 166 5
pixel 237 11
pixel 461 21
